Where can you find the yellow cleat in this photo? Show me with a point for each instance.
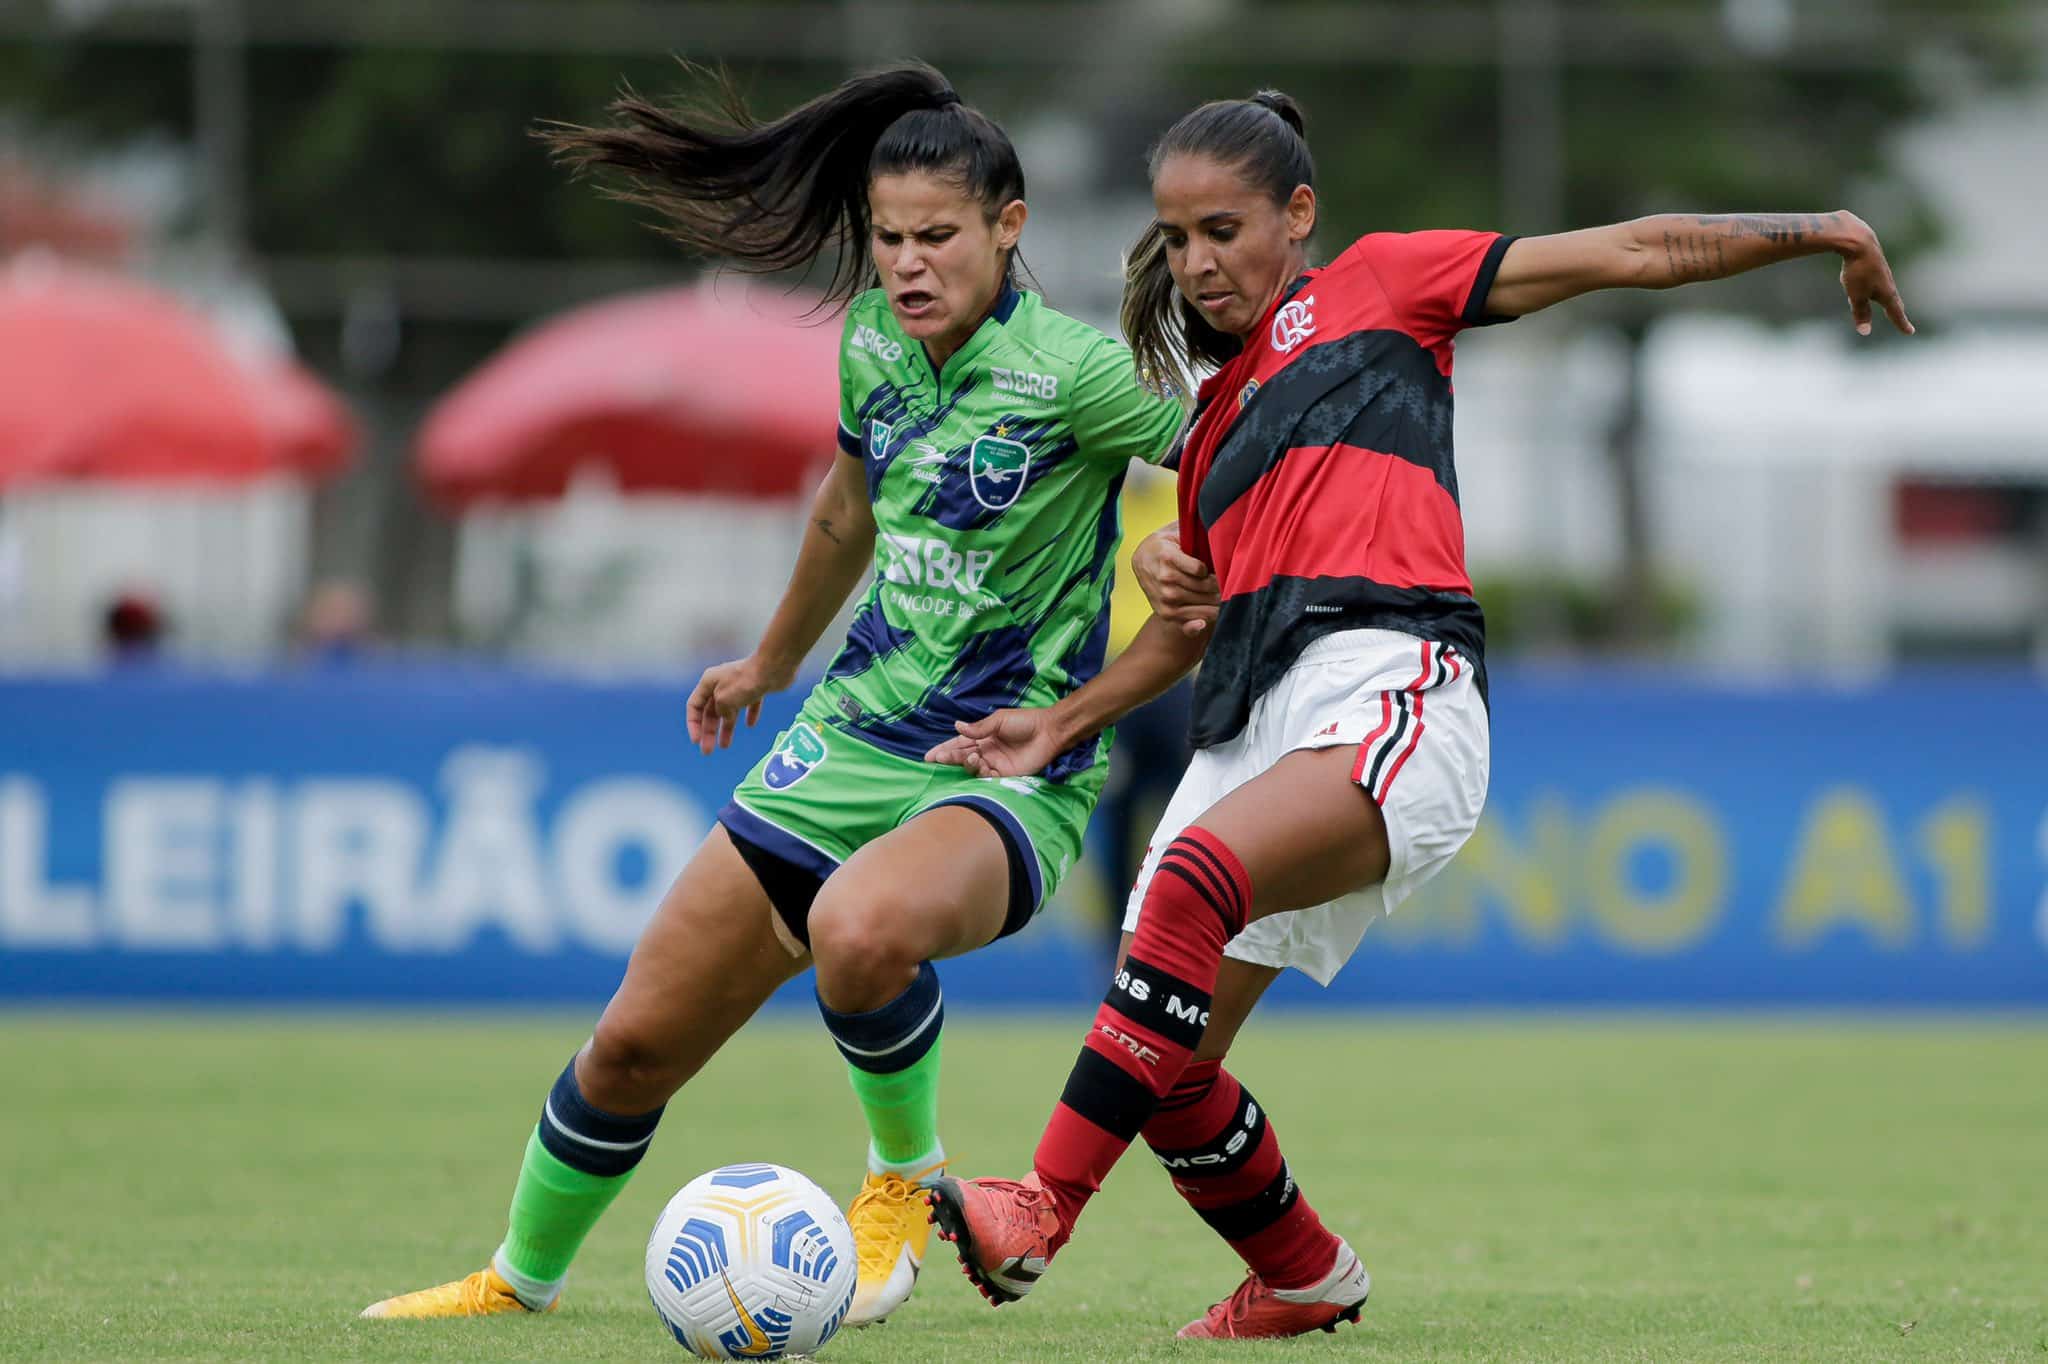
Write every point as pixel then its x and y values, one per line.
pixel 482 1294
pixel 890 1231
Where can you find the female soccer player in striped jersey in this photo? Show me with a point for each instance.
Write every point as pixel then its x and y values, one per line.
pixel 984 439
pixel 1340 715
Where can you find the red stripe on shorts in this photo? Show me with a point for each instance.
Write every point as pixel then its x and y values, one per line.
pixel 1414 689
pixel 1386 723
pixel 1395 771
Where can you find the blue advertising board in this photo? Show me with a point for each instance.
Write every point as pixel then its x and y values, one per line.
pixel 432 836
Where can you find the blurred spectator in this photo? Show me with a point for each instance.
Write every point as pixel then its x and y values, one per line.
pixel 134 628
pixel 338 625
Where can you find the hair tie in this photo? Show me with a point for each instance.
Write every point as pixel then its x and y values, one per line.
pixel 946 98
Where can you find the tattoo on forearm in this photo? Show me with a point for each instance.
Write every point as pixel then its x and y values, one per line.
pixel 1693 256
pixel 1772 227
pixel 825 528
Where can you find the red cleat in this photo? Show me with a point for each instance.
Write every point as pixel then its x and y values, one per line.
pixel 1002 1228
pixel 1256 1311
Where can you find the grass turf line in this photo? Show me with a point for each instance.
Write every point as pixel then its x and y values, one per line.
pixel 237 1186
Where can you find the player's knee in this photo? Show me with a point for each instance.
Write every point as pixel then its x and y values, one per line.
pixel 864 948
pixel 626 1068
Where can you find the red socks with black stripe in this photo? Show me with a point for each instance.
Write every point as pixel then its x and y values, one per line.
pixel 1223 1155
pixel 1150 1022
pixel 1136 1054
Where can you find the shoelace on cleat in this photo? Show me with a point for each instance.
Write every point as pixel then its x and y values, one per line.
pixel 1238 1305
pixel 875 1203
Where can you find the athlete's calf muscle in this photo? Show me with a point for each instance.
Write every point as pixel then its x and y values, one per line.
pixel 707 960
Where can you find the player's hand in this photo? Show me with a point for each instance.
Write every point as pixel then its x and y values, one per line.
pixel 1008 743
pixel 1181 588
pixel 724 694
pixel 1867 277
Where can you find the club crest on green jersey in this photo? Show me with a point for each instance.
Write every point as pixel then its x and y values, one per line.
pixel 799 753
pixel 996 467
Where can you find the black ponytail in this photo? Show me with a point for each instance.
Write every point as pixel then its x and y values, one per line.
pixel 1264 139
pixel 774 196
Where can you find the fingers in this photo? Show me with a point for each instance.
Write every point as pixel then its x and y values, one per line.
pixel 753 714
pixel 1895 309
pixel 1191 628
pixel 1870 281
pixel 953 752
pixel 695 715
pixel 1859 313
pixel 984 728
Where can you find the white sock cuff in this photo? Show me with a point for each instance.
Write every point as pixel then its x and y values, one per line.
pixel 907 1169
pixel 535 1293
pixel 1344 1268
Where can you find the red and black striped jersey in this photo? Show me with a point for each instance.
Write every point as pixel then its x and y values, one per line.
pixel 1316 477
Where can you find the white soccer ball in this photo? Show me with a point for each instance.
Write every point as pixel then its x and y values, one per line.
pixel 751 1262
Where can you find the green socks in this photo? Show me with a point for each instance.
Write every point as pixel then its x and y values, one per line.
pixel 892 1054
pixel 553 1209
pixel 902 1109
pixel 577 1161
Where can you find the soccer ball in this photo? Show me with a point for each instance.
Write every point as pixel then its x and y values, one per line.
pixel 751 1262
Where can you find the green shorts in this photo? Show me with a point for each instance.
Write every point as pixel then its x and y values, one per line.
pixel 821 793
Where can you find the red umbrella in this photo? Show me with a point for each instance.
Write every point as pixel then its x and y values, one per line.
pixel 103 377
pixel 716 389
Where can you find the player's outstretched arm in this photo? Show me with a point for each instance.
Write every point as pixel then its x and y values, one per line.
pixel 838 545
pixel 1670 249
pixel 1019 742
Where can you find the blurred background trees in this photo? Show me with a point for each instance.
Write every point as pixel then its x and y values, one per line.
pixel 370 164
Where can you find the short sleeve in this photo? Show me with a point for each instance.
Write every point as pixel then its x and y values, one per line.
pixel 1112 415
pixel 1438 281
pixel 849 412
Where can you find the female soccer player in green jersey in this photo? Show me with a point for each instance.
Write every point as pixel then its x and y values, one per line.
pixel 984 439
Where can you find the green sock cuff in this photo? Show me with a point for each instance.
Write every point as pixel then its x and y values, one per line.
pixel 902 1107
pixel 554 1207
pixel 548 1170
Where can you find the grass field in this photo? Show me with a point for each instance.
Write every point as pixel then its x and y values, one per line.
pixel 237 1186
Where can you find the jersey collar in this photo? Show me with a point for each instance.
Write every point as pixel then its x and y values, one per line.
pixel 947 375
pixel 1006 303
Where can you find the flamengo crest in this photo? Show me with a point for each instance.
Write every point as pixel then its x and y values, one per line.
pixel 1294 323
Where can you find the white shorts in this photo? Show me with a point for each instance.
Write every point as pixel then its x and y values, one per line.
pixel 1412 710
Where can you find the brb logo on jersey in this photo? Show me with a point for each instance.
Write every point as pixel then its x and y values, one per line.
pixel 913 561
pixel 1294 323
pixel 800 753
pixel 1025 384
pixel 864 337
pixel 995 470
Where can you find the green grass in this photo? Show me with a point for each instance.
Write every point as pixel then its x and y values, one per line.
pixel 237 1186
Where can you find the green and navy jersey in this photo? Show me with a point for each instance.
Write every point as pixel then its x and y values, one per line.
pixel 994 481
